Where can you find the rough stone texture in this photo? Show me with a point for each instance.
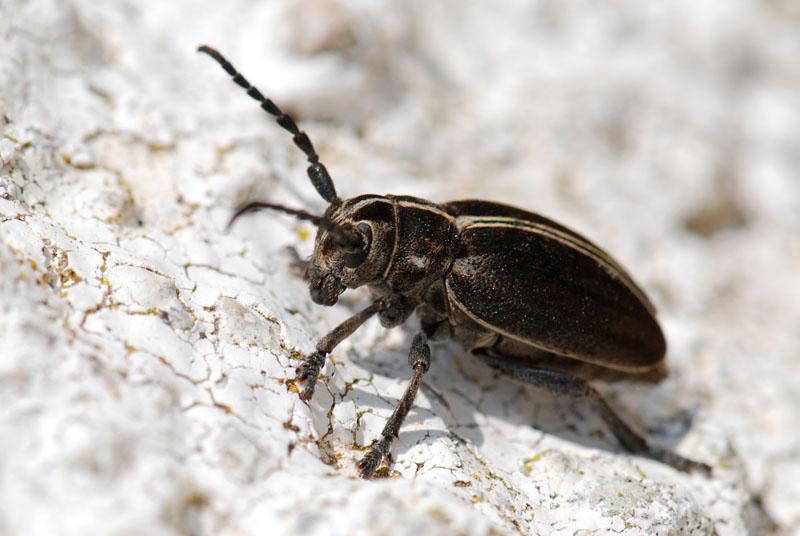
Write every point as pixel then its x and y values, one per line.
pixel 147 355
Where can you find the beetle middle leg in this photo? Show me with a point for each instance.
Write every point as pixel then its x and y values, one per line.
pixel 565 384
pixel 419 359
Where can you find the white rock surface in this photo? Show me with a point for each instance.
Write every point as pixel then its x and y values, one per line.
pixel 147 356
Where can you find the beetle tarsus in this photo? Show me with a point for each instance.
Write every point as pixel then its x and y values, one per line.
pixel 419 359
pixel 308 372
pixel 373 459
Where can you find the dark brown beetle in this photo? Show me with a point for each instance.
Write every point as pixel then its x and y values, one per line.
pixel 531 298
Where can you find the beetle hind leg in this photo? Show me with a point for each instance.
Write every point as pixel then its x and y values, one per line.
pixel 419 359
pixel 564 384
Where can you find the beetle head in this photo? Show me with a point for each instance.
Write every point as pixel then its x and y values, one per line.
pixel 352 247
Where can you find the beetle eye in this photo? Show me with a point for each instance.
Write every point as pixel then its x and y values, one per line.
pixel 354 260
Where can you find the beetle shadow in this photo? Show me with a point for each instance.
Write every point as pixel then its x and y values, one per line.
pixel 431 416
pixel 463 393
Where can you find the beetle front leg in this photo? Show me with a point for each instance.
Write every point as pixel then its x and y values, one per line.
pixel 565 384
pixel 298 265
pixel 310 368
pixel 419 359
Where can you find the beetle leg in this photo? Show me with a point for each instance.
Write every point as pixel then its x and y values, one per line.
pixel 310 368
pixel 565 384
pixel 298 265
pixel 419 359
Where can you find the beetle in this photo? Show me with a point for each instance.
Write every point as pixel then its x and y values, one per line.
pixel 533 299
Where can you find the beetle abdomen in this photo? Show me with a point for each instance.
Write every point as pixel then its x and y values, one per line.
pixel 553 291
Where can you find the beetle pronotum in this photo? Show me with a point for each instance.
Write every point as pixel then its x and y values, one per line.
pixel 556 313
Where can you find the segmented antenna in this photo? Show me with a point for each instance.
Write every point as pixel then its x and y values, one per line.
pixel 258 205
pixel 317 173
pixel 346 237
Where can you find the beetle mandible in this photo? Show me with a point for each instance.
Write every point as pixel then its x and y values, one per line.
pixel 534 300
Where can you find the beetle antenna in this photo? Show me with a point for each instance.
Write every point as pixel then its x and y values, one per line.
pixel 345 236
pixel 317 173
pixel 257 205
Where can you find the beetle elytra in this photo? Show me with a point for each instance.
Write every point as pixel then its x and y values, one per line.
pixel 534 300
